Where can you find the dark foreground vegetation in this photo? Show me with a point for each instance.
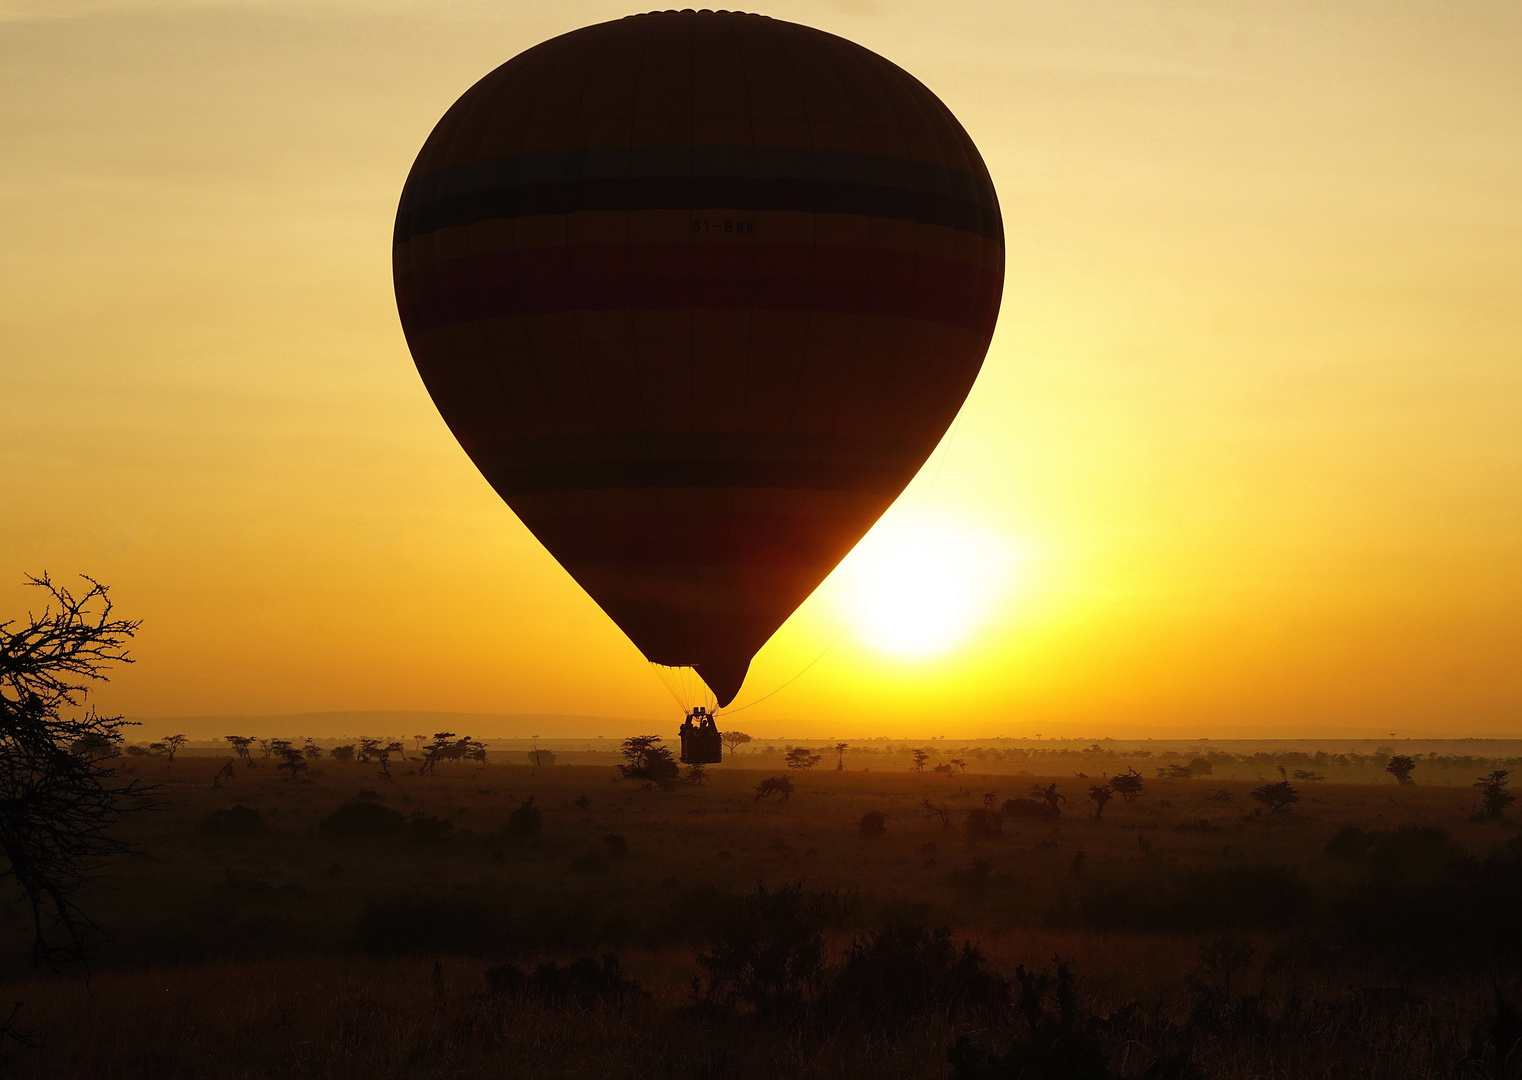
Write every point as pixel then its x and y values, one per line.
pixel 564 921
pixel 369 912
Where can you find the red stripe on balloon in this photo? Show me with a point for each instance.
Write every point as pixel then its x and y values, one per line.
pixel 726 276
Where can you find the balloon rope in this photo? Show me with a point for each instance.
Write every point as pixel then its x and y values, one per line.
pixel 796 677
pixel 851 625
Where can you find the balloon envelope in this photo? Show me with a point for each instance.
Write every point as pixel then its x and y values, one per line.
pixel 699 293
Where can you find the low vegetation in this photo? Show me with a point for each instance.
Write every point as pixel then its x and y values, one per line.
pixel 328 922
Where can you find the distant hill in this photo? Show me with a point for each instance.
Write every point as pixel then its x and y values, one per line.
pixel 401 723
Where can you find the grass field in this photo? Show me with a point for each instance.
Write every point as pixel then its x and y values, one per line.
pixel 1204 937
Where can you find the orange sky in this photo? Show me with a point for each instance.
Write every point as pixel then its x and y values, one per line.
pixel 1247 447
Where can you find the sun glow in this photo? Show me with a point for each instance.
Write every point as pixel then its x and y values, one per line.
pixel 920 589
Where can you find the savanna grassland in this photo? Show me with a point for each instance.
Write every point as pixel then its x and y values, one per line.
pixel 462 924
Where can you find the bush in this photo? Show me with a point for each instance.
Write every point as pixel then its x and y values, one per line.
pixel 526 821
pixel 1494 798
pixel 590 863
pixel 900 972
pixel 428 831
pixel 873 824
pixel 1276 798
pixel 1234 897
pixel 771 954
pixel 237 820
pixel 1056 1044
pixel 586 981
pixel 974 879
pixel 984 824
pixel 1029 810
pixel 696 915
pixel 361 818
pixel 645 759
pixel 449 924
pixel 1351 842
pixel 774 785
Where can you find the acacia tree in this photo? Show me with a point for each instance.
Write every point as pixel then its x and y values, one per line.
pixel 1494 798
pixel 172 744
pixel 1401 767
pixel 1101 794
pixel 291 759
pixel 647 760
pixel 800 758
pixel 920 757
pixel 382 754
pixel 1128 785
pixel 57 808
pixel 240 745
pixel 734 739
pixel 1278 798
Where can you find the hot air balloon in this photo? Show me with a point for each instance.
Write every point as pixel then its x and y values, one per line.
pixel 698 292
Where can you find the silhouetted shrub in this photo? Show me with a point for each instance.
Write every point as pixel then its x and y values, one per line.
pixel 1058 1043
pixel 770 956
pixel 1029 810
pixel 984 824
pixel 1494 798
pixel 1497 1047
pixel 1229 897
pixel 647 760
pixel 696 915
pixel 428 831
pixel 774 785
pixel 525 821
pixel 1128 785
pixel 450 924
pixel 237 820
pixel 1444 907
pixel 974 879
pixel 1276 798
pixel 1351 842
pixel 360 818
pixel 893 974
pixel 872 825
pixel 586 981
pixel 589 863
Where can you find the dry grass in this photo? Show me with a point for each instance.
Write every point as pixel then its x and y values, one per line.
pixel 252 958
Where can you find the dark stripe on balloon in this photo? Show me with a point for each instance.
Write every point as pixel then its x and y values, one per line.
pixel 690 460
pixel 603 475
pixel 650 540
pixel 662 277
pixel 663 161
pixel 418 218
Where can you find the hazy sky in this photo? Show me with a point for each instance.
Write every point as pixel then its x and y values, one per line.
pixel 1246 452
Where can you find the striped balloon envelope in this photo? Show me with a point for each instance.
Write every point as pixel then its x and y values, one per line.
pixel 699 292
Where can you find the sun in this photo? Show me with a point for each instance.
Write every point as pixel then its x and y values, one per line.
pixel 921 588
